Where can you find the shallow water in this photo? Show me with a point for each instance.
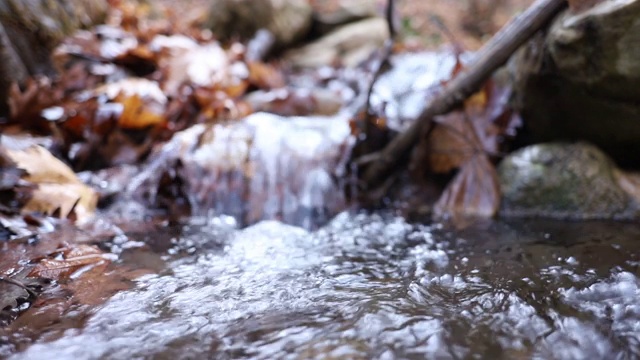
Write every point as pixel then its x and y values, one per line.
pixel 372 286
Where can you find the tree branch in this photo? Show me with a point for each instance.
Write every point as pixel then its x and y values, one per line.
pixel 493 55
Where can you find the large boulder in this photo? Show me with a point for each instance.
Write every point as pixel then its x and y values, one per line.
pixel 582 80
pixel 566 181
pixel 349 45
pixel 30 29
pixel 287 20
pixel 329 14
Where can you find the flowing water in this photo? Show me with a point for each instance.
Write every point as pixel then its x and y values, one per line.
pixel 374 286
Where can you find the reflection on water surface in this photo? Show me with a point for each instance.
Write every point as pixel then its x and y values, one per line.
pixel 368 286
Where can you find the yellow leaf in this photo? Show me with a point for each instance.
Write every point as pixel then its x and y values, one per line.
pixel 137 115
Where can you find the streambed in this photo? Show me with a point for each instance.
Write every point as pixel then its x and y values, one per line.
pixel 372 286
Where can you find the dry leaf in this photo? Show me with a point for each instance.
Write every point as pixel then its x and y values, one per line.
pixel 138 115
pixel 475 191
pixel 59 191
pixel 41 166
pixel 451 143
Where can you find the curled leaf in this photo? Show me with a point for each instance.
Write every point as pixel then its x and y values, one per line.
pixel 475 191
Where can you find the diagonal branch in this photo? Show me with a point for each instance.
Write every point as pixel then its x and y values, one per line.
pixel 493 55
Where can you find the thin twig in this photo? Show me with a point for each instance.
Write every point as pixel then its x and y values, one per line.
pixel 384 58
pixel 493 55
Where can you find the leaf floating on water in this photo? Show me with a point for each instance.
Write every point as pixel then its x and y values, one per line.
pixel 59 191
pixel 475 191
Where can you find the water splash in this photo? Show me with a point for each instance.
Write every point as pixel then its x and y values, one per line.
pixel 262 167
pixel 372 286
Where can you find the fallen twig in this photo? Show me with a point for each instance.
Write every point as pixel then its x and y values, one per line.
pixel 493 55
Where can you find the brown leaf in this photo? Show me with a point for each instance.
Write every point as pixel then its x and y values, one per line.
pixel 473 192
pixel 61 265
pixel 26 106
pixel 137 115
pixel 59 191
pixel 451 143
pixel 481 127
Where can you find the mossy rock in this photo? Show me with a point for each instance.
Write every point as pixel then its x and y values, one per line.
pixel 564 181
pixel 581 81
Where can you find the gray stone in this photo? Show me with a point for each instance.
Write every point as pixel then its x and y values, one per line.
pixel 287 20
pixel 582 80
pixel 349 45
pixel 565 181
pixel 329 14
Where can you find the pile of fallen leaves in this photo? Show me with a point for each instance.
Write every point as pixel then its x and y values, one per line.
pixel 123 87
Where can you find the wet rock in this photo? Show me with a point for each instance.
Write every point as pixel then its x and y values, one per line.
pixel 262 167
pixel 567 181
pixel 288 21
pixel 348 45
pixel 582 80
pixel 29 29
pixel 291 102
pixel 329 14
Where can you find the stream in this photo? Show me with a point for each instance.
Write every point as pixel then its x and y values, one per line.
pixel 362 286
pixel 372 286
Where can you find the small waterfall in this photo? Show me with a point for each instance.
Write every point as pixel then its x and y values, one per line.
pixel 264 166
